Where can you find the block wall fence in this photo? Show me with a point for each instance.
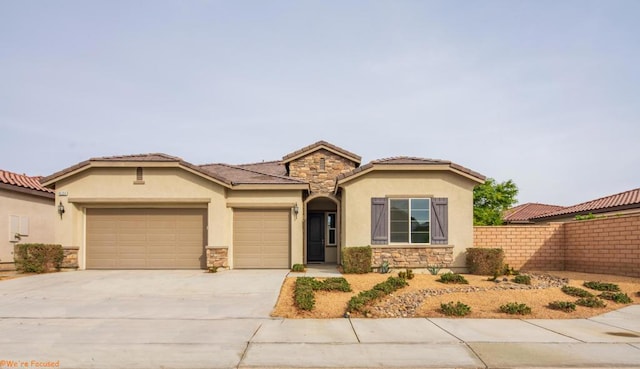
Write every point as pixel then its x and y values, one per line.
pixel 608 245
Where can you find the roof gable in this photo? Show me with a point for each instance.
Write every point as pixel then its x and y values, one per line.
pixel 410 163
pixel 322 145
pixel 622 200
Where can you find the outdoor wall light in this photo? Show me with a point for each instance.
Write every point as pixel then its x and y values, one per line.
pixel 60 209
pixel 296 209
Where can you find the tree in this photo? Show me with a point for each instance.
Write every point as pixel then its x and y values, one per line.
pixel 491 200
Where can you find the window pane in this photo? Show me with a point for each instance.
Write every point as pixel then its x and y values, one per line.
pixel 400 237
pixel 422 237
pixel 420 204
pixel 331 220
pixel 421 216
pixel 400 226
pixel 332 237
pixel 399 210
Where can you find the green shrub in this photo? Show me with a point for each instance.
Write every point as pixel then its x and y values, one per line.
pixel 485 261
pixel 408 274
pixel 592 302
pixel 522 279
pixel 298 268
pixel 453 278
pixel 212 269
pixel 566 306
pixel 304 295
pixel 457 309
pixel 435 269
pixel 619 297
pixel 515 308
pixel 575 291
pixel 356 260
pixel 364 298
pixel 602 286
pixel 38 257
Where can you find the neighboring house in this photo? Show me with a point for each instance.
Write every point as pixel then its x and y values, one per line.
pixel 159 211
pixel 27 213
pixel 622 203
pixel 522 214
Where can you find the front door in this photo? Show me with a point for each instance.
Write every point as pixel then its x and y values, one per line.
pixel 315 237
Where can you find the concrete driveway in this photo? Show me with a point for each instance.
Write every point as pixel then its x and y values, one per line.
pixel 135 319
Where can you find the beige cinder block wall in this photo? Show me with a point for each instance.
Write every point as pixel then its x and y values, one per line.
pixel 357 194
pixel 40 212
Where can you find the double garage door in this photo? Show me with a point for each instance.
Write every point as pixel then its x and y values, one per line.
pixel 175 238
pixel 145 238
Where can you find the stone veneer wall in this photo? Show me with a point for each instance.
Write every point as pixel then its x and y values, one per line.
pixel 412 256
pixel 70 257
pixel 307 168
pixel 218 257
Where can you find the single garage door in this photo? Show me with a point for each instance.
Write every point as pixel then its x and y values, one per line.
pixel 261 238
pixel 145 238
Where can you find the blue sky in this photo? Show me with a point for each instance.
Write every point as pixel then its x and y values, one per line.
pixel 546 93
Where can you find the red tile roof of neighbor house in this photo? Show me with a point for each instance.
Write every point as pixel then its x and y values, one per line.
pixel 621 201
pixel 406 160
pixel 524 212
pixel 22 181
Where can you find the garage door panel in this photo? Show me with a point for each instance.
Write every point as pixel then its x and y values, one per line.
pixel 261 238
pixel 145 238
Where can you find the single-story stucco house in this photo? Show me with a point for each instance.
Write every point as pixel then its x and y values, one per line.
pixel 27 213
pixel 159 211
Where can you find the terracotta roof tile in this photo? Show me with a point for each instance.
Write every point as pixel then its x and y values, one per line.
pixel 407 160
pixel 22 180
pixel 525 212
pixel 627 199
pixel 318 144
pixel 239 175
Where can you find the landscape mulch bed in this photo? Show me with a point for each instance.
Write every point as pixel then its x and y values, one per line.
pixel 423 296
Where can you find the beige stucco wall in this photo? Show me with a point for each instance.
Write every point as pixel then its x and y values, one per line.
pixel 40 212
pixel 163 187
pixel 357 194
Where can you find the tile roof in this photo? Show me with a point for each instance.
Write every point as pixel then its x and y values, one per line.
pixel 275 167
pixel 319 144
pixel 623 200
pixel 139 157
pixel 406 160
pixel 23 181
pixel 239 175
pixel 524 212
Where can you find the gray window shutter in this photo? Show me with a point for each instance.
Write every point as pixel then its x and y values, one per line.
pixel 439 221
pixel 379 222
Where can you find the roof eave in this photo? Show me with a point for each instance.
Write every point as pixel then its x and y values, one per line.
pixel 289 158
pixel 270 186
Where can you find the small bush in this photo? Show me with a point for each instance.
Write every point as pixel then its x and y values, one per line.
pixel 485 261
pixel 453 278
pixel 212 269
pixel 619 297
pixel 304 295
pixel 408 274
pixel 577 292
pixel 356 260
pixel 515 308
pixel 435 269
pixel 298 268
pixel 602 286
pixel 522 279
pixel 592 302
pixel 457 309
pixel 38 257
pixel 566 306
pixel 364 298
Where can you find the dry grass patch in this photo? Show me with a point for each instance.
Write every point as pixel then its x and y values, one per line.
pixel 485 304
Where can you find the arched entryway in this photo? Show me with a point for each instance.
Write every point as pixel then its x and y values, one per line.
pixel 322 239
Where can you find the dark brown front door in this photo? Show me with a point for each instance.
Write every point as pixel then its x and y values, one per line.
pixel 315 237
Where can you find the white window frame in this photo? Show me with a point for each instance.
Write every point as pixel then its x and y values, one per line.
pixel 408 199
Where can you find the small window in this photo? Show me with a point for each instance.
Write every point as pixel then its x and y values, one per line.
pixel 409 220
pixel 331 229
pixel 139 176
pixel 322 165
